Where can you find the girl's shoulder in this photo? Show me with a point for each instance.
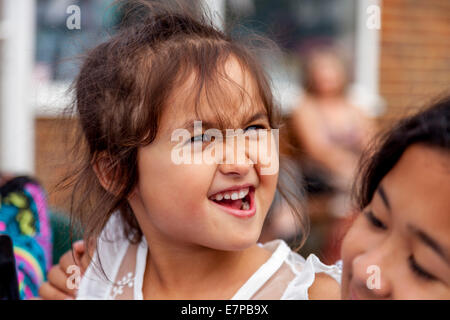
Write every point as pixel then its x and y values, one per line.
pixel 287 275
pixel 101 273
pixel 313 279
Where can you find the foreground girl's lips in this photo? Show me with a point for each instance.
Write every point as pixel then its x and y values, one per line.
pixel 238 202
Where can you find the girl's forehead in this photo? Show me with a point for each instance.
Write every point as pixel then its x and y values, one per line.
pixel 228 117
pixel 227 99
pixel 417 189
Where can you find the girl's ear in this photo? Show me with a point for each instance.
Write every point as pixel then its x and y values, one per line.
pixel 102 166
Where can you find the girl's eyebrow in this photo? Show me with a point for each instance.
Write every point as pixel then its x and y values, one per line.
pixel 189 124
pixel 257 116
pixel 430 242
pixel 382 193
pixel 425 238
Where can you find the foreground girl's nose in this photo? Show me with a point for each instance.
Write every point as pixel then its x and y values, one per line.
pixel 370 276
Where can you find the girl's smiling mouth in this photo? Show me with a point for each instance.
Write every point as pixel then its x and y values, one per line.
pixel 238 201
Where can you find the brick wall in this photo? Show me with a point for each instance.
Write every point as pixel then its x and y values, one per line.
pixel 51 149
pixel 415 52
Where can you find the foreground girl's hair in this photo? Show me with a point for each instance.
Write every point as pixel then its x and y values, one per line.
pixel 430 127
pixel 120 94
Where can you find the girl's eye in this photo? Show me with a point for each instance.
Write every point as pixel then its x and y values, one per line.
pixel 201 137
pixel 377 223
pixel 255 127
pixel 419 270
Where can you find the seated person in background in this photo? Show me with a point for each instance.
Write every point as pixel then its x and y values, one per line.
pixel 24 217
pixel 330 130
pixel 330 133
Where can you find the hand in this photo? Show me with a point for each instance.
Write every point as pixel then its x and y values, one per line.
pixel 58 285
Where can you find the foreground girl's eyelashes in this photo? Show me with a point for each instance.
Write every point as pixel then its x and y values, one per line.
pixel 419 270
pixel 374 220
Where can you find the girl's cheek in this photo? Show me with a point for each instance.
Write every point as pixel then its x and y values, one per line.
pixel 268 185
pixel 348 248
pixel 352 240
pixel 358 240
pixel 264 153
pixel 352 246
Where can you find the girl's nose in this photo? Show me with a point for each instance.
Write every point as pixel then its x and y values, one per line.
pixel 235 169
pixel 236 159
pixel 371 275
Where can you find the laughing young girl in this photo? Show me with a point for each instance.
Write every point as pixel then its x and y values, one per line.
pixel 171 230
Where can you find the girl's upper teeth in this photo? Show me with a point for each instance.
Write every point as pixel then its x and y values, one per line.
pixel 233 195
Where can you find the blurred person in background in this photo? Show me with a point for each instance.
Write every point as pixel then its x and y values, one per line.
pixel 330 133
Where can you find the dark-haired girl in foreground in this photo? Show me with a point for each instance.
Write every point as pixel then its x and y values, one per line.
pixel 399 246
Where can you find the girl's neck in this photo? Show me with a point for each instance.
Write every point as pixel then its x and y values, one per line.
pixel 195 272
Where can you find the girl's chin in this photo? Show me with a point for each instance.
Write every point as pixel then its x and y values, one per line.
pixel 236 244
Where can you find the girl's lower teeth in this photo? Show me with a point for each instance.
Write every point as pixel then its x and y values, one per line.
pixel 245 205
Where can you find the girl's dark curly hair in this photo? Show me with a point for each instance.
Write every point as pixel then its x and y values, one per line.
pixel 430 127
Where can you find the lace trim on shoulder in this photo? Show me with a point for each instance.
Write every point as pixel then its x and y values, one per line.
pixel 298 287
pixel 280 251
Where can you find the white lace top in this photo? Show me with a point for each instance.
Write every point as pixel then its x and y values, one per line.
pixel 285 275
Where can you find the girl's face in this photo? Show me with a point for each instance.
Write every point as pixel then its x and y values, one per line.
pixel 399 246
pixel 328 74
pixel 186 203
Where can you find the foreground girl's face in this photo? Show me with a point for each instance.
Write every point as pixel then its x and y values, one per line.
pixel 187 203
pixel 399 246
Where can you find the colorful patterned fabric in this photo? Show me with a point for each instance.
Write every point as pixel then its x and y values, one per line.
pixel 24 217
